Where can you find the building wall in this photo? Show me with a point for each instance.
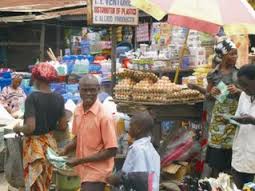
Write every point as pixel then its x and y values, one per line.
pixel 21 43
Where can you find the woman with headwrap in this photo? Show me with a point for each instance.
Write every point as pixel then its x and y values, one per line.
pixel 44 113
pixel 13 97
pixel 221 132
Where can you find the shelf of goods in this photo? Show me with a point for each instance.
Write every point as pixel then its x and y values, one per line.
pixel 161 67
pixel 165 100
pixel 146 87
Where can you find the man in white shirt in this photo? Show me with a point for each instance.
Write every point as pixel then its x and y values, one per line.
pixel 142 164
pixel 243 158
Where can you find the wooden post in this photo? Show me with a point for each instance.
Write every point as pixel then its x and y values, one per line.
pixel 113 55
pixel 58 36
pixel 135 39
pixel 42 42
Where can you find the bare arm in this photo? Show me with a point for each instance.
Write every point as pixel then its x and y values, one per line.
pixel 103 155
pixel 209 91
pixel 70 147
pixel 100 156
pixel 62 124
pixel 198 88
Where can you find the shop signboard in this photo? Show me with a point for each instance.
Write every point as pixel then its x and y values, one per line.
pixel 112 12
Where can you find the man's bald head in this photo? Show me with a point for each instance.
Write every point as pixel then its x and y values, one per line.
pixel 89 80
pixel 89 88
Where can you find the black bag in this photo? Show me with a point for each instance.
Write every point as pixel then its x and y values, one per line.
pixel 13 164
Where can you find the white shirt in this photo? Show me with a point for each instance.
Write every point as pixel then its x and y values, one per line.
pixel 243 159
pixel 142 157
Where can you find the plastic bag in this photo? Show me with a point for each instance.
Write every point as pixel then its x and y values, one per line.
pixel 13 165
pixel 224 92
pixel 57 161
pixel 178 148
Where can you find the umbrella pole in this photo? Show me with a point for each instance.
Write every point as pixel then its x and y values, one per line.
pixel 181 57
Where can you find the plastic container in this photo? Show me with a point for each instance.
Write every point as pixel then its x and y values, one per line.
pixel 6 75
pixel 95 68
pixel 58 87
pixel 90 59
pixel 5 82
pixel 81 67
pixel 67 182
pixel 72 88
pixel 68 63
pixel 75 98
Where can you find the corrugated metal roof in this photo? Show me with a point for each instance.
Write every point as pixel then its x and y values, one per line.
pixel 25 18
pixel 77 11
pixel 38 5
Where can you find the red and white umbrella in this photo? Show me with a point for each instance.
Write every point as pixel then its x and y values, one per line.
pixel 236 16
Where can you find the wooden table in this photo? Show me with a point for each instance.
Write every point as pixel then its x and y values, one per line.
pixel 191 111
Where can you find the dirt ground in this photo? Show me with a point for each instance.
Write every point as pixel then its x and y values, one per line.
pixel 3 183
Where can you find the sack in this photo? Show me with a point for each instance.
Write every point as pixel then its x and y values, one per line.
pixel 13 164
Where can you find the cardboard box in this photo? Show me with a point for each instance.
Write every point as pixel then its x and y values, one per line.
pixel 177 171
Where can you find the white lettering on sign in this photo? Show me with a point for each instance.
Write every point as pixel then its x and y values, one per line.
pixel 114 12
pixel 113 2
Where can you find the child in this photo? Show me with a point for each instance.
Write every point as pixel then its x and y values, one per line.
pixel 141 170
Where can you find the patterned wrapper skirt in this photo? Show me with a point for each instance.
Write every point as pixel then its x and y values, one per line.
pixel 37 170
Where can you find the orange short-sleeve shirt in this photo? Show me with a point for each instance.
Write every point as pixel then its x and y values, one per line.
pixel 95 131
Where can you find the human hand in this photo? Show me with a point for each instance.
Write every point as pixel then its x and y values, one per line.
pixel 113 180
pixel 215 91
pixel 191 86
pixel 17 129
pixel 62 152
pixel 73 162
pixel 245 119
pixel 233 89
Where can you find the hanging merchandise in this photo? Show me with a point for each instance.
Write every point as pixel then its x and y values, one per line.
pixel 165 33
pixel 142 32
pixel 119 34
pixel 160 35
pixel 242 44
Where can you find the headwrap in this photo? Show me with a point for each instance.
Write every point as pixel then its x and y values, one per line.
pixel 45 72
pixel 222 48
pixel 17 76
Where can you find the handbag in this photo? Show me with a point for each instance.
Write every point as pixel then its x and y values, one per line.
pixel 13 165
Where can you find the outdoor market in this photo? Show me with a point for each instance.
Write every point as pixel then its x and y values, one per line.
pixel 127 95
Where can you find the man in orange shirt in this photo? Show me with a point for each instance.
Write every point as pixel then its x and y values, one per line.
pixel 95 139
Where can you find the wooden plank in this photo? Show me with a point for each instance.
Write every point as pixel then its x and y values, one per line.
pixel 89 12
pixel 191 102
pixel 19 43
pixel 32 8
pixel 166 112
pixel 74 18
pixel 21 19
pixel 58 37
pixel 42 42
pixel 113 56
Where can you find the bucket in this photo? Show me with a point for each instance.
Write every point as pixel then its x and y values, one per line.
pixel 67 181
